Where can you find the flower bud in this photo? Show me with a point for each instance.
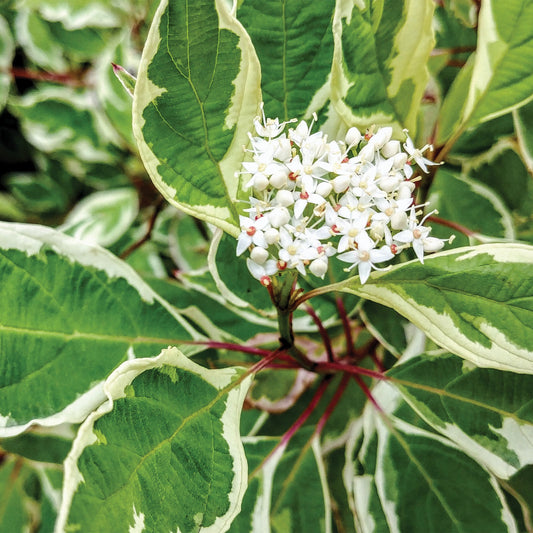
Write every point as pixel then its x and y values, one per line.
pixel 353 136
pixel 399 220
pixel 284 198
pixel 279 216
pixel 399 160
pixel 340 183
pixel 319 267
pixel 271 235
pixel 324 188
pixel 381 137
pixel 432 244
pixel 377 230
pixel 278 180
pixel 390 183
pixel 390 149
pixel 260 182
pixel 405 190
pixel 259 255
pixel 367 152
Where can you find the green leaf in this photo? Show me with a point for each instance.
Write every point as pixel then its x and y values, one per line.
pixel 470 204
pixel 59 118
pixel 502 161
pixel 102 217
pixel 37 40
pixel 294 43
pixel 39 447
pixel 487 412
pixel 77 14
pixel 7 52
pixel 501 79
pixel 288 492
pixel 197 93
pixel 523 118
pixel 136 448
pixel 476 302
pixel 379 72
pixel 74 313
pixel 15 517
pixel 498 76
pixel 402 470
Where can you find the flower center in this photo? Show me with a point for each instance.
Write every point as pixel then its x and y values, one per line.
pixel 417 234
pixel 292 249
pixel 251 231
pixel 364 255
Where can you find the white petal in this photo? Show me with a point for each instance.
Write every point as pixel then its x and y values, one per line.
pixel 364 271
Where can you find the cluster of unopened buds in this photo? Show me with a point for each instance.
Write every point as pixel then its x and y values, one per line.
pixel 312 199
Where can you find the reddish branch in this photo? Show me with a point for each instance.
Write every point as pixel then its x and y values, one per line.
pixel 322 330
pixel 148 234
pixel 452 225
pixel 332 404
pixel 72 79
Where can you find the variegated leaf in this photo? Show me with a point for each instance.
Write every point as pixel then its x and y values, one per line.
pixel 72 313
pixel 163 453
pixel 379 70
pixel 197 93
pixel 476 302
pixel 488 413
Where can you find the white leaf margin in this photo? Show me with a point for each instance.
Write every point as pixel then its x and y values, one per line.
pixel 30 239
pixel 114 389
pixel 503 353
pixel 244 108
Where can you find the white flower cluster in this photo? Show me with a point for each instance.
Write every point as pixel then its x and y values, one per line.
pixel 313 199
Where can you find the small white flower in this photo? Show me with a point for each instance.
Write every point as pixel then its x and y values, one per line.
pixel 269 268
pixel 418 154
pixel 252 233
pixel 366 255
pixel 415 234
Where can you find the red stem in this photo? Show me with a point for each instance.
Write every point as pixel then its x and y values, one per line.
pixel 367 392
pixel 453 225
pixel 54 77
pixel 332 404
pixel 263 363
pixel 287 436
pixel 261 352
pixel 322 331
pixel 351 369
pixel 377 362
pixel 346 326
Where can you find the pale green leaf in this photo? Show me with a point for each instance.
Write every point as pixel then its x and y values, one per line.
pixel 414 471
pixel 288 491
pixel 35 36
pixel 379 72
pixel 476 302
pixel 73 313
pixel 294 43
pixel 7 52
pixel 470 204
pixel 102 217
pixel 197 93
pixel 523 120
pixel 59 118
pixel 502 79
pixel 486 412
pixel 132 466
pixel 77 14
